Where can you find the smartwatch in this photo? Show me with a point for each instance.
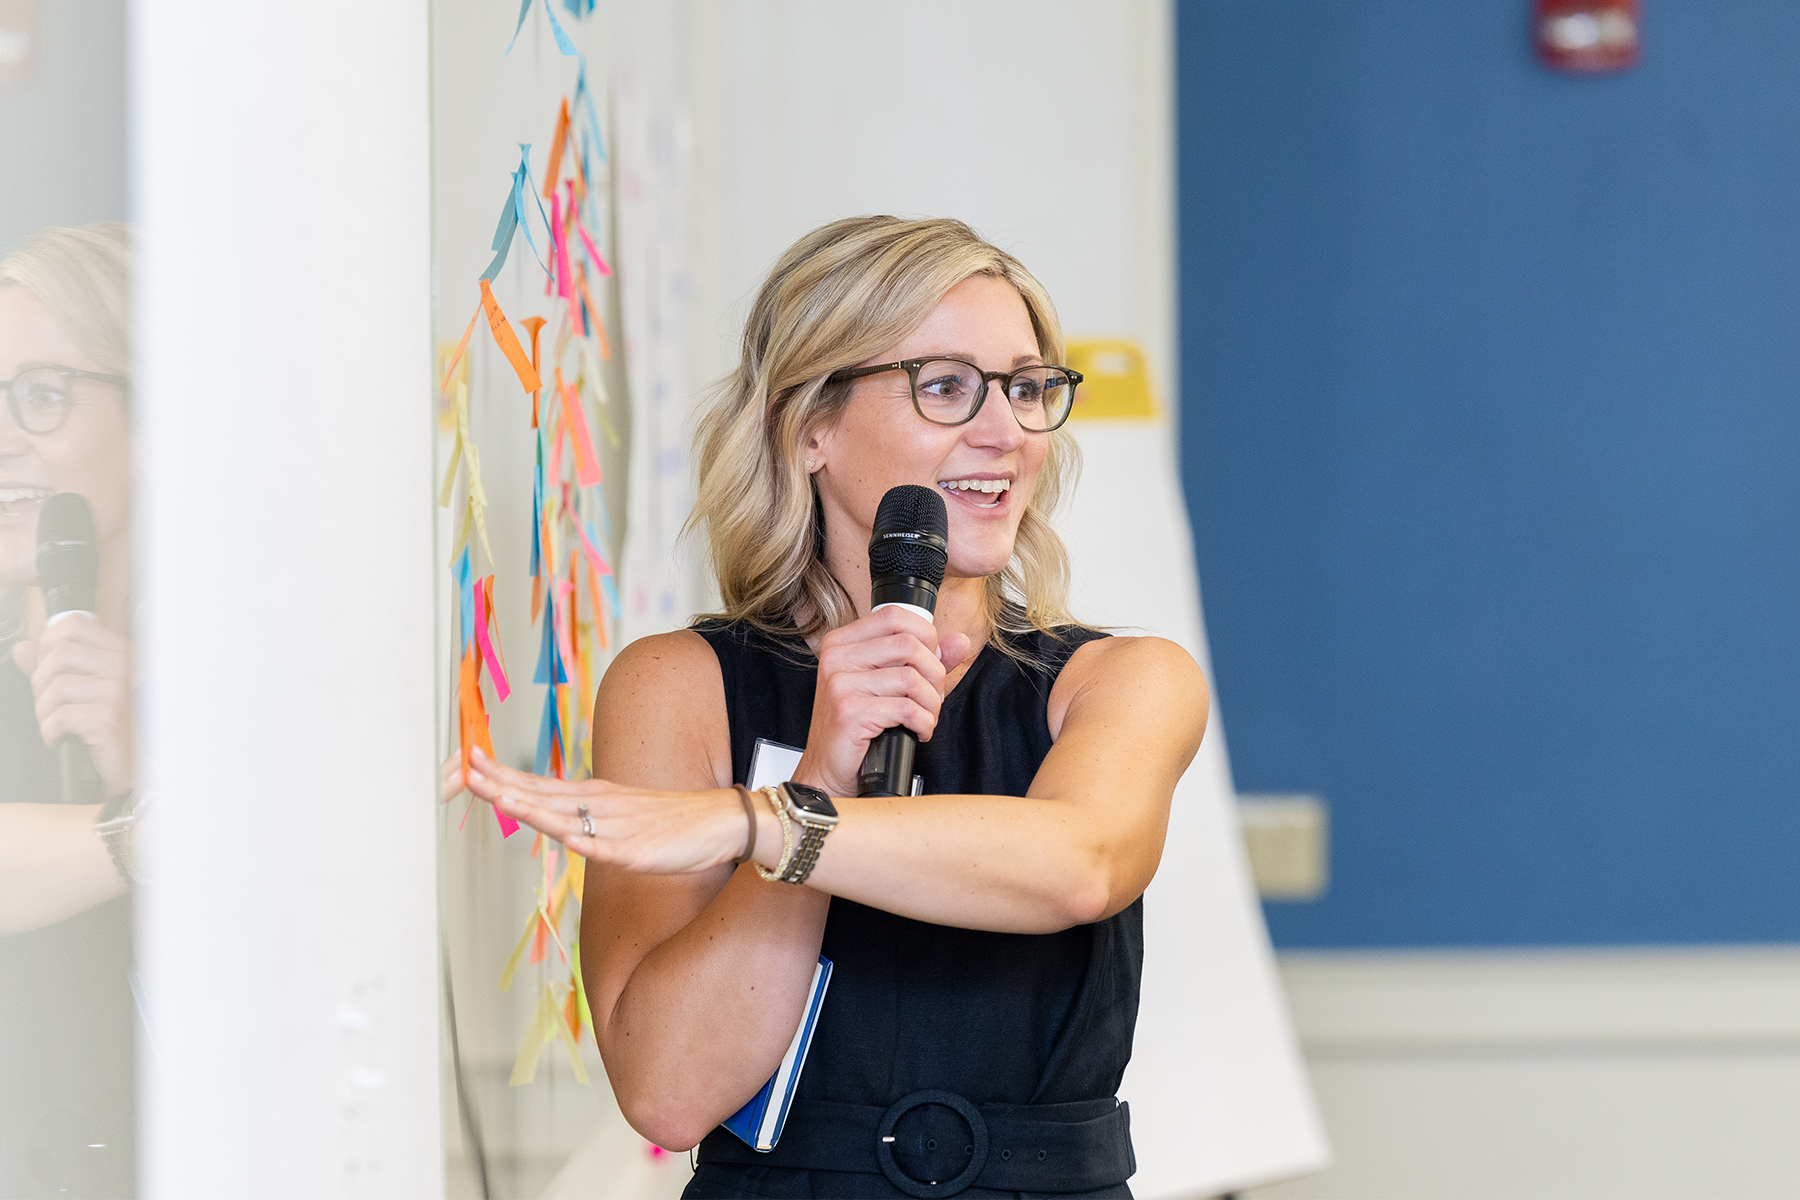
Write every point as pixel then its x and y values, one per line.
pixel 812 811
pixel 114 823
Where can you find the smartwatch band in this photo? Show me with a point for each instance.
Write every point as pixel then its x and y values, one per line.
pixel 114 823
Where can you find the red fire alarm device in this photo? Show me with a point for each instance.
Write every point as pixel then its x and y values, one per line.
pixel 1587 36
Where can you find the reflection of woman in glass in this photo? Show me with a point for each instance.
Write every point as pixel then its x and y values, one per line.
pixel 987 934
pixel 66 1013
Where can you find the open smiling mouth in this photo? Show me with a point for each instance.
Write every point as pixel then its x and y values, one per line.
pixel 19 501
pixel 981 493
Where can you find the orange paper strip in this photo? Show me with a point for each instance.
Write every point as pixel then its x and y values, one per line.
pixel 535 324
pixel 456 357
pixel 472 713
pixel 570 1017
pixel 539 937
pixel 581 184
pixel 509 343
pixel 599 605
pixel 499 650
pixel 554 166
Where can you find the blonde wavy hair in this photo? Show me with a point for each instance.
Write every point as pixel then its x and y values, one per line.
pixel 82 274
pixel 843 293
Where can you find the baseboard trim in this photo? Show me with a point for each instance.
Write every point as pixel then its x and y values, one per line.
pixel 1612 1000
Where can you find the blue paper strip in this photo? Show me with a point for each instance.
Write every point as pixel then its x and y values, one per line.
pixel 562 39
pixel 525 167
pixel 585 97
pixel 524 7
pixel 465 585
pixel 503 237
pixel 520 178
pixel 546 662
pixel 549 726
pixel 550 664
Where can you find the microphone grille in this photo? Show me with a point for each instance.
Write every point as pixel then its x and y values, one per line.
pixel 67 559
pixel 916 510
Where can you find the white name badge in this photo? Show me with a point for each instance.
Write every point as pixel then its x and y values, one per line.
pixel 772 762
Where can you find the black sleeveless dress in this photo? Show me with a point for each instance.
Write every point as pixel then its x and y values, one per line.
pixel 989 1061
pixel 68 1026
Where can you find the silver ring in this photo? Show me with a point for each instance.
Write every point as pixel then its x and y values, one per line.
pixel 587 822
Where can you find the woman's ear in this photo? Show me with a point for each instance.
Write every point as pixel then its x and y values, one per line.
pixel 815 450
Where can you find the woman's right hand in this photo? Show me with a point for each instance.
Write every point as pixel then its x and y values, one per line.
pixel 878 672
pixel 80 675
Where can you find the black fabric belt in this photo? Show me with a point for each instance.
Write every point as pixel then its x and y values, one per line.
pixel 935 1144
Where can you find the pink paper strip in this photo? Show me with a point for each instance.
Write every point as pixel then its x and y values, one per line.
pixel 565 278
pixel 502 689
pixel 593 254
pixel 587 466
pixel 594 555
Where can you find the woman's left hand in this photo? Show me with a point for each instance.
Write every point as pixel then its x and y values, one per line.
pixel 81 677
pixel 653 833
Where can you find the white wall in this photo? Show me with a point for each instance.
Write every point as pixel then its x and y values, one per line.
pixel 1628 1073
pixel 815 110
pixel 63 132
pixel 288 940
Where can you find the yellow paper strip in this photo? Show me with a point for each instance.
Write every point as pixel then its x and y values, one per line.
pixel 532 1047
pixel 512 964
pixel 567 1038
pixel 580 986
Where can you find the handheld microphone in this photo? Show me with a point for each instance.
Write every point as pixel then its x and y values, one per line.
pixel 68 566
pixel 907 554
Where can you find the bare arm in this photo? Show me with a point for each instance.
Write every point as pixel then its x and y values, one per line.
pixel 697 981
pixel 52 865
pixel 1082 844
pixel 52 861
pixel 698 975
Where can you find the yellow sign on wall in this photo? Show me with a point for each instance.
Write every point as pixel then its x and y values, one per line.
pixel 1116 383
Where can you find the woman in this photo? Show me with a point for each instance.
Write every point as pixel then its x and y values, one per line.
pixel 66 1013
pixel 986 935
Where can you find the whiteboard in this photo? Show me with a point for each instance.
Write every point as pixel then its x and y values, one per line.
pixel 1218 1090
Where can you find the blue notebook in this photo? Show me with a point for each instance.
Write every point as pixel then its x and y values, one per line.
pixel 759 1122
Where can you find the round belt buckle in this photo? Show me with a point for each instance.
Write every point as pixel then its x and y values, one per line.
pixel 884 1145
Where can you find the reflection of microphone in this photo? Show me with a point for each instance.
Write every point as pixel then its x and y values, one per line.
pixel 906 564
pixel 68 567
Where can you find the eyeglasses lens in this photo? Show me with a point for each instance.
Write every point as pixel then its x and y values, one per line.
pixel 1041 397
pixel 40 400
pixel 947 392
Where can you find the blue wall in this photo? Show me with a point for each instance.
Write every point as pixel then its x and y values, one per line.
pixel 1491 437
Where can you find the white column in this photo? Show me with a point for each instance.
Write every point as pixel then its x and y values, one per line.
pixel 288 942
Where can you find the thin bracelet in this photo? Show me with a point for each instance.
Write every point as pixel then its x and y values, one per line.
pixel 787 836
pixel 749 812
